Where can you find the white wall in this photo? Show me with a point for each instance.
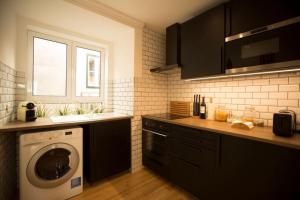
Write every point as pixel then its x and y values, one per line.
pixel 7 33
pixel 62 15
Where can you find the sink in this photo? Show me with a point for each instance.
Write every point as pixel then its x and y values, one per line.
pixel 84 117
pixel 94 116
pixel 69 118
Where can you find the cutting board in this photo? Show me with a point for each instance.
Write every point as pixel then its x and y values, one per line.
pixel 182 108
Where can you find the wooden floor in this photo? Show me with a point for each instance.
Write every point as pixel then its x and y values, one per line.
pixel 140 185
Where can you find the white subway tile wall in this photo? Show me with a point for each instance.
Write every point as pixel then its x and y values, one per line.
pixel 123 96
pixel 7 141
pixel 142 95
pixel 150 90
pixel 266 93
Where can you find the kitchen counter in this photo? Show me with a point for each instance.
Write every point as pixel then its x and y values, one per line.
pixel 43 123
pixel 263 134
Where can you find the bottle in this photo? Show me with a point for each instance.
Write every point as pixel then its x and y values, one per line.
pixel 203 109
pixel 211 110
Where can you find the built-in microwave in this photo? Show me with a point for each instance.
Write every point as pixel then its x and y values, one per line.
pixel 267 48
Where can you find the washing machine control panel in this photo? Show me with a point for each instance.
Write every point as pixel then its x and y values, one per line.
pixel 33 138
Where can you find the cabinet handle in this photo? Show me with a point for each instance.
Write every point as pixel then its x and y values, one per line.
pixel 155 133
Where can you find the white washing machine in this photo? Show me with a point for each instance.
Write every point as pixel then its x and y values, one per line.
pixel 51 164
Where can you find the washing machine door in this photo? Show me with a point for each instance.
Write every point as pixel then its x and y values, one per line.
pixel 52 165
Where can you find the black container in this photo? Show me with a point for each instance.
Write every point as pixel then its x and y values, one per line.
pixel 284 123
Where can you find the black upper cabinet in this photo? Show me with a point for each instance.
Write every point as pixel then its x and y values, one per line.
pixel 202 40
pixel 246 15
pixel 173 45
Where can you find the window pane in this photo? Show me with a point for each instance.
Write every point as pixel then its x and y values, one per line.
pixel 49 67
pixel 87 72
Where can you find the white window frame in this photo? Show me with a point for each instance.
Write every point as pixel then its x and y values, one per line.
pixel 102 73
pixel 70 74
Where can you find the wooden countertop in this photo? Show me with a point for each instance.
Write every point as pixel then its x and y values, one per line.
pixel 43 123
pixel 263 134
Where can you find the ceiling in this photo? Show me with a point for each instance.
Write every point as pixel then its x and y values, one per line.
pixel 158 14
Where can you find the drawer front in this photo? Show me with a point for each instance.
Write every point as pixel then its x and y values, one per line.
pixel 196 138
pixel 201 157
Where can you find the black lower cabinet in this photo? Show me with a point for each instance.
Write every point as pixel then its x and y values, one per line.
pixel 194 160
pixel 256 170
pixel 106 149
pixel 186 157
pixel 186 175
pixel 213 166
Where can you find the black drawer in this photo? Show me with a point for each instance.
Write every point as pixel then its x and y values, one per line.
pixel 196 138
pixel 201 157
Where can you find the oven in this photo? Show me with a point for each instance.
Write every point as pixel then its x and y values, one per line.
pixel 154 145
pixel 268 48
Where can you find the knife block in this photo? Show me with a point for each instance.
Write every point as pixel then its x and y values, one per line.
pixel 196 107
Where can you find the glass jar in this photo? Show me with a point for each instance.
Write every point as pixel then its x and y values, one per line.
pixel 230 116
pixel 249 114
pixel 221 114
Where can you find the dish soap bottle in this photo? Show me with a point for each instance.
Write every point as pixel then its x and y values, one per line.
pixel 203 109
pixel 211 110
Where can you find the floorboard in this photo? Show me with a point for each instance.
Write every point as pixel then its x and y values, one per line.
pixel 143 184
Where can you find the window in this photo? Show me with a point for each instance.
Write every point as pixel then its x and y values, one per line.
pixel 88 72
pixel 64 70
pixel 49 63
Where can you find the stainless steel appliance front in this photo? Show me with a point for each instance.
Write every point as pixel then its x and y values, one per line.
pixel 266 48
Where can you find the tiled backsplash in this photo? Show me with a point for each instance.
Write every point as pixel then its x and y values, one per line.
pixel 7 93
pixel 7 141
pixel 266 93
pixel 122 99
pixel 149 92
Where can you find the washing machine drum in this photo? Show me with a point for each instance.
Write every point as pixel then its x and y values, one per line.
pixel 52 165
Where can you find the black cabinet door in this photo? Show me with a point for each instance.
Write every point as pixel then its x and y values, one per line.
pixel 173 44
pixel 186 175
pixel 107 149
pixel 194 160
pixel 202 40
pixel 246 15
pixel 256 170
